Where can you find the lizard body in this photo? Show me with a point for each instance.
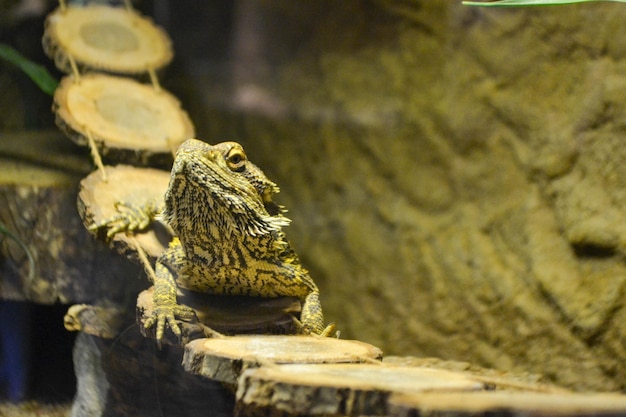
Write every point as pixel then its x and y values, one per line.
pixel 228 237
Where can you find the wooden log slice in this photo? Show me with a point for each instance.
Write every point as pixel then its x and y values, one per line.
pixel 97 201
pixel 500 403
pixel 129 121
pixel 494 379
pixel 224 314
pixel 105 38
pixel 224 359
pixel 337 389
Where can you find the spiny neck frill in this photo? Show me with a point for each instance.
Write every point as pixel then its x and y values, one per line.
pixel 219 217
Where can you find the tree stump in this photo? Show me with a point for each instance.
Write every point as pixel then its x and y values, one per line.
pixel 337 389
pixel 506 404
pixel 130 376
pixel 224 359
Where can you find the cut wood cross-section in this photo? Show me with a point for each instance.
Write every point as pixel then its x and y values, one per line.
pixel 224 359
pixel 104 38
pixel 124 117
pixel 338 389
pixel 506 404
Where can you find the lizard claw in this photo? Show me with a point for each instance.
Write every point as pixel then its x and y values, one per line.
pixel 166 316
pixel 130 218
pixel 330 330
pixel 307 329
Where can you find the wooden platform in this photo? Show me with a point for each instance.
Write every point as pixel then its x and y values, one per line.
pixel 506 404
pixel 338 389
pixel 224 359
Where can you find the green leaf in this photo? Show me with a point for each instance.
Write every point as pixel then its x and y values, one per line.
pixel 39 74
pixel 516 3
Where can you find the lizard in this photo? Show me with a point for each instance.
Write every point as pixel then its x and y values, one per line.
pixel 228 237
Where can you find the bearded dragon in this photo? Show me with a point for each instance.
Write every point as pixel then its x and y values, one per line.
pixel 228 237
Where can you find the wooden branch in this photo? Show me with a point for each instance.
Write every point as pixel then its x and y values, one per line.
pixel 105 322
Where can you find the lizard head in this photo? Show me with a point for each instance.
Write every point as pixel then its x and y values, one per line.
pixel 218 185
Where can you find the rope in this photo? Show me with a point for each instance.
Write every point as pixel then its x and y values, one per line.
pixel 74 68
pixel 147 266
pixel 96 155
pixel 154 80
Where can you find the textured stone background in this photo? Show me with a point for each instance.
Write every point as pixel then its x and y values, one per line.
pixel 455 176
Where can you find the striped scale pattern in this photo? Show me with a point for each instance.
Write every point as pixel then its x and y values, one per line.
pixel 229 238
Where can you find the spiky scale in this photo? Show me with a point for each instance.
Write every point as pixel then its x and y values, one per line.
pixel 229 238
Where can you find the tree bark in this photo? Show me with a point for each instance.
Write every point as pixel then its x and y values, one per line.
pixel 38 192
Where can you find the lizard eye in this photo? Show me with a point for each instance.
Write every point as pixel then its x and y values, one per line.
pixel 236 160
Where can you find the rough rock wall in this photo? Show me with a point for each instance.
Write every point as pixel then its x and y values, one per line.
pixel 456 177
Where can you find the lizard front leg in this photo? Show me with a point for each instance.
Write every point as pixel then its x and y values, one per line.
pixel 166 310
pixel 130 217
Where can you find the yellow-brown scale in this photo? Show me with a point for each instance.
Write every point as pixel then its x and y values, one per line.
pixel 228 237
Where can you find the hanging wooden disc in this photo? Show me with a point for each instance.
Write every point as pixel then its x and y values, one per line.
pixel 126 118
pixel 507 404
pixel 337 389
pixel 97 201
pixel 224 359
pixel 105 38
